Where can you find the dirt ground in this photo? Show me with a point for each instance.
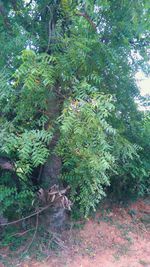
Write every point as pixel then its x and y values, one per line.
pixel 116 237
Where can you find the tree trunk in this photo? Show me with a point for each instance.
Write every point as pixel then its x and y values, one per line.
pixel 56 217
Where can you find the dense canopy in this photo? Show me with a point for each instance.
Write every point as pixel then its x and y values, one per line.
pixel 68 113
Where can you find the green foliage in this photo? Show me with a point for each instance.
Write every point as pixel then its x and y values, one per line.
pixel 14 203
pixel 6 198
pixel 24 136
pixel 130 177
pixel 22 100
pixel 29 149
pixel 16 197
pixel 86 150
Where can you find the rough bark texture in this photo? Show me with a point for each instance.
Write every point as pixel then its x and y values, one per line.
pixel 56 216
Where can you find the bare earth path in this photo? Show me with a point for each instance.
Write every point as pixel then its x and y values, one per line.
pixel 119 237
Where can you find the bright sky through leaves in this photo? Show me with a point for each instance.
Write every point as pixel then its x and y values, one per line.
pixel 143 83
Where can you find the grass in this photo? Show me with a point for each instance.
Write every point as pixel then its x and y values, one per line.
pixel 43 243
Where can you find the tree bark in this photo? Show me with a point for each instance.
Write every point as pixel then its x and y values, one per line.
pixel 56 216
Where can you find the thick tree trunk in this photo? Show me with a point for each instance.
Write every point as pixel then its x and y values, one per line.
pixel 52 168
pixel 56 217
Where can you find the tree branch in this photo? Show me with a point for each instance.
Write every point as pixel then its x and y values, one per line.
pixel 87 17
pixel 34 235
pixel 27 217
pixel 4 16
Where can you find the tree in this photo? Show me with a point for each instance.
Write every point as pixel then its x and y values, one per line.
pixel 67 92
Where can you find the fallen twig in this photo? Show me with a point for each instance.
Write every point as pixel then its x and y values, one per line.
pixel 27 217
pixel 34 235
pixel 22 233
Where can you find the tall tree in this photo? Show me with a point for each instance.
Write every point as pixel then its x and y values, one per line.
pixel 67 101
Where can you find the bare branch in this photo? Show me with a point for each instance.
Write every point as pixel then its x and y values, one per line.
pixel 34 235
pixel 87 17
pixel 22 233
pixel 27 217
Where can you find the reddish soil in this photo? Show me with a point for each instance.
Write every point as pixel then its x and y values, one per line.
pixel 119 237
